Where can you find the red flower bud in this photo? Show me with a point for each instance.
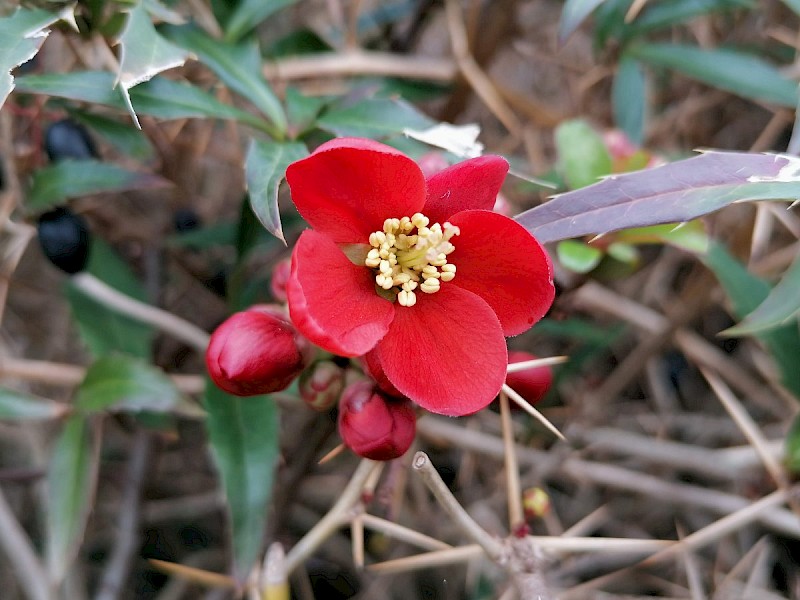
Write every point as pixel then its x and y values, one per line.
pixel 280 275
pixel 374 426
pixel 373 368
pixel 255 352
pixel 321 385
pixel 532 384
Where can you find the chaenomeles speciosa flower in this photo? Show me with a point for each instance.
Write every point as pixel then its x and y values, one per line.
pixel 419 275
pixel 373 425
pixel 256 351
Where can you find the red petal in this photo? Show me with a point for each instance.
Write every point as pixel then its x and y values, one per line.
pixel 502 262
pixel 447 353
pixel 472 184
pixel 332 301
pixel 348 187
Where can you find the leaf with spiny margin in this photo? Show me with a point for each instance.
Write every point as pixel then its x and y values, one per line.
pixel 238 66
pixel 121 383
pixel 265 168
pixel 21 35
pixel 672 193
pixel 17 406
pixel 243 435
pixel 746 292
pixel 737 72
pixel 161 98
pixel 248 14
pixel 53 184
pixel 71 483
pixel 144 53
pixel 781 307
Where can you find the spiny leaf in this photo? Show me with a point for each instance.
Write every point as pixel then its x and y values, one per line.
pixel 672 193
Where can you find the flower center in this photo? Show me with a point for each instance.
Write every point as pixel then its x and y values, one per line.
pixel 409 255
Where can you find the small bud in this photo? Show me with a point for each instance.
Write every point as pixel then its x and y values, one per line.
pixel 255 352
pixel 373 368
pixel 321 385
pixel 535 502
pixel 280 276
pixel 532 384
pixel 374 426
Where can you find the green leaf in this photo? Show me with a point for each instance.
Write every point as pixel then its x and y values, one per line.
pixel 746 292
pixel 265 168
pixel 144 53
pixel 16 406
pixel 374 118
pixel 659 15
pixel 794 5
pixel 793 444
pixel 573 14
pixel 71 482
pixel 731 70
pixel 21 36
pixel 161 98
pixel 102 329
pixel 629 99
pixel 248 14
pixel 302 110
pixel 53 184
pixel 123 383
pixel 582 155
pixel 122 136
pixel 779 308
pixel 689 236
pixel 578 256
pixel 238 66
pixel 672 193
pixel 243 433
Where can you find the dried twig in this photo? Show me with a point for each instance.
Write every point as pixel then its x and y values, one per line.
pixel 19 551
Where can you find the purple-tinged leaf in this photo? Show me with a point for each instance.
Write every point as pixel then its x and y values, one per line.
pixel 672 193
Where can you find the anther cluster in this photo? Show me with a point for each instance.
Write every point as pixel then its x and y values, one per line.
pixel 408 254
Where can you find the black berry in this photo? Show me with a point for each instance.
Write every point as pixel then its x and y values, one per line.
pixel 67 139
pixel 64 238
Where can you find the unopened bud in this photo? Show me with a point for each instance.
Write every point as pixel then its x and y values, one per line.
pixel 535 502
pixel 321 385
pixel 373 368
pixel 280 276
pixel 532 384
pixel 373 425
pixel 255 352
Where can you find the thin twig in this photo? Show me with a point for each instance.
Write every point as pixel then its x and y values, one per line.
pixel 528 408
pixel 333 520
pixel 538 362
pixel 19 551
pixel 404 534
pixel 119 564
pixel 514 490
pixel 163 320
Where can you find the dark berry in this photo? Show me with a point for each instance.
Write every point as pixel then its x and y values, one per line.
pixel 64 237
pixel 67 139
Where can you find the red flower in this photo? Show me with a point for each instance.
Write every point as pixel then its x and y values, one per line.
pixel 256 352
pixel 420 274
pixel 374 426
pixel 532 384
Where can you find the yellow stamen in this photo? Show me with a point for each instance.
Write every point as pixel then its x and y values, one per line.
pixel 410 253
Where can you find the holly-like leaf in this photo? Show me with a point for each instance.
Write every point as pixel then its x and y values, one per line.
pixel 102 329
pixel 375 117
pixel 248 14
pixel 238 66
pixel 144 53
pixel 123 383
pixel 56 183
pixel 737 72
pixel 582 155
pixel 17 406
pixel 779 308
pixel 71 483
pixel 21 35
pixel 265 168
pixel 672 193
pixel 161 98
pixel 243 433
